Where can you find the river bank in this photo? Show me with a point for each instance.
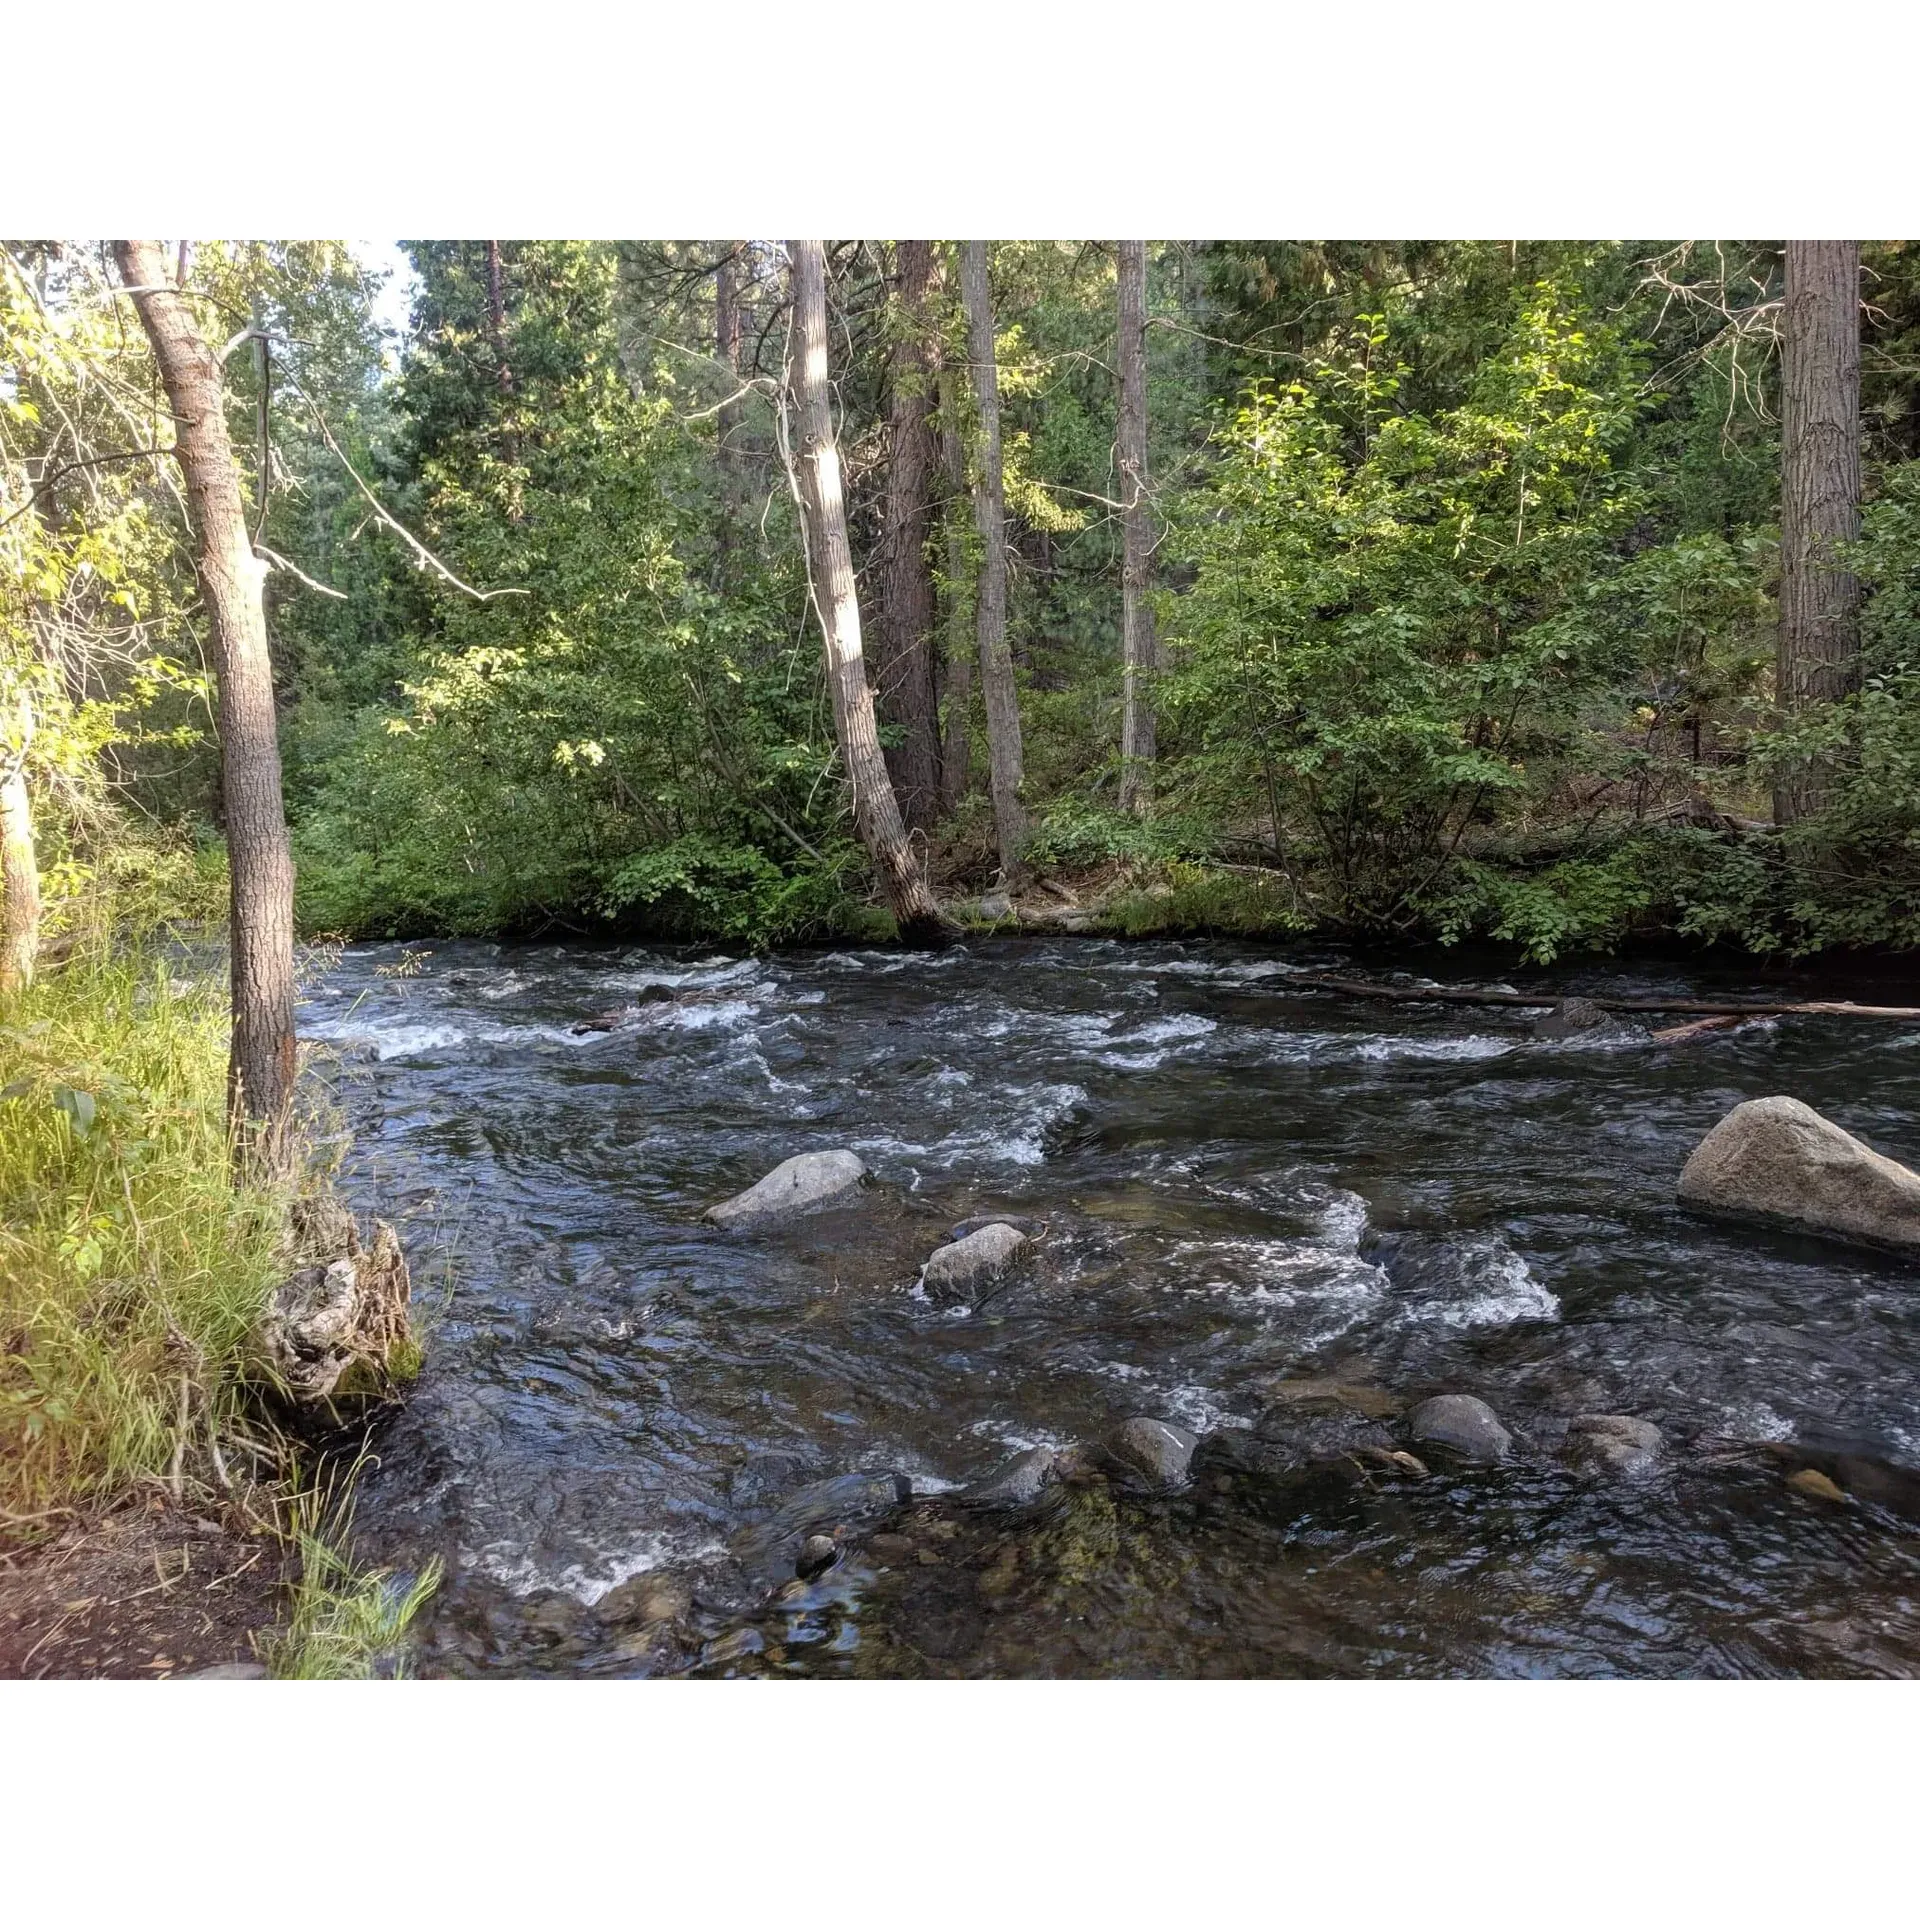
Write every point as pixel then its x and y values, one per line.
pixel 159 1506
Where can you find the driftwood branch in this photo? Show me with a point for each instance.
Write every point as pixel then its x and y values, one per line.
pixel 1701 1009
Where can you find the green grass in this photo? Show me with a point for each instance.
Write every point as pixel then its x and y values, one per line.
pixel 346 1622
pixel 132 1272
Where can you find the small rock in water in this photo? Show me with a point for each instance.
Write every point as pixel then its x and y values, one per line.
pixel 1159 1453
pixel 817 1553
pixel 968 1269
pixel 1778 1161
pixel 1614 1442
pixel 794 1187
pixel 1019 1222
pixel 736 1645
pixel 1376 1403
pixel 1816 1486
pixel 1022 1481
pixel 1573 1016
pixel 1464 1425
pixel 645 1600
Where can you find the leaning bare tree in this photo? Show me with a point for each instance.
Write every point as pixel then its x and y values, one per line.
pixel 990 612
pixel 816 468
pixel 1818 656
pixel 1138 655
pixel 260 1065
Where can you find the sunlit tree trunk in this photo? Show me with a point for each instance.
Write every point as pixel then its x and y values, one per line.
pixel 990 612
pixel 903 662
pixel 876 813
pixel 726 347
pixel 1138 653
pixel 1818 656
pixel 260 1068
pixel 19 864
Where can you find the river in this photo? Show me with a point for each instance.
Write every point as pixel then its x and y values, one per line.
pixel 1236 1186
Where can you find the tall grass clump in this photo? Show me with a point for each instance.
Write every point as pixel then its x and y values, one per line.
pixel 132 1271
pixel 346 1621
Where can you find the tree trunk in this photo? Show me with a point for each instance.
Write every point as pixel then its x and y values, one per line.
pixel 990 613
pixel 726 346
pixel 260 1066
pixel 876 814
pixel 956 749
pixel 1138 652
pixel 1819 640
pixel 903 661
pixel 19 864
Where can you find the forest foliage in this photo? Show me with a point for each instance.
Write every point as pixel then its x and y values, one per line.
pixel 1467 575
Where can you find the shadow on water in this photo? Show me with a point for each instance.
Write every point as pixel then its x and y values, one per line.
pixel 631 1425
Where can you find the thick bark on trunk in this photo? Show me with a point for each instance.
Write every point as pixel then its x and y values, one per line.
pixel 903 660
pixel 956 748
pixel 990 515
pixel 1819 642
pixel 1138 650
pixel 260 1067
pixel 19 867
pixel 876 814
pixel 726 347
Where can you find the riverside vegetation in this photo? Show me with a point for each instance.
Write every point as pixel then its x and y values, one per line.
pixel 1553 595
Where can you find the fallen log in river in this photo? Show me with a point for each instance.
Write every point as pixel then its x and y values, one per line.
pixel 1701 1009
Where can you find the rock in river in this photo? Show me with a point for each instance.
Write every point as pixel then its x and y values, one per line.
pixel 1462 1424
pixel 1778 1161
pixel 1157 1452
pixel 1022 1481
pixel 794 1187
pixel 970 1268
pixel 1614 1443
pixel 1569 1017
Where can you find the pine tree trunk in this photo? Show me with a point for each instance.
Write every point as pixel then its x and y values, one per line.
pixel 19 865
pixel 726 346
pixel 903 661
pixel 876 814
pixel 260 1068
pixel 1819 641
pixel 990 612
pixel 1138 651
pixel 956 698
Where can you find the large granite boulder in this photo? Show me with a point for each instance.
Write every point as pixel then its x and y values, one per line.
pixel 1778 1161
pixel 794 1187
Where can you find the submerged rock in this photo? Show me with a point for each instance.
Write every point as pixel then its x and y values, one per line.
pixel 1777 1161
pixel 965 1270
pixel 1815 1485
pixel 1159 1453
pixel 1025 1478
pixel 644 1601
pixel 1614 1443
pixel 1376 1403
pixel 832 1509
pixel 1574 1016
pixel 1462 1424
pixel 794 1187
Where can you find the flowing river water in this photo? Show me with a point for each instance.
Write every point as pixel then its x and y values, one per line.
pixel 1243 1195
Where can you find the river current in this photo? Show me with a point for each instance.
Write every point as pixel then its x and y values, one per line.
pixel 1237 1188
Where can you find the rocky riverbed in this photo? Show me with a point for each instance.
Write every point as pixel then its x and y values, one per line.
pixel 1142 1313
